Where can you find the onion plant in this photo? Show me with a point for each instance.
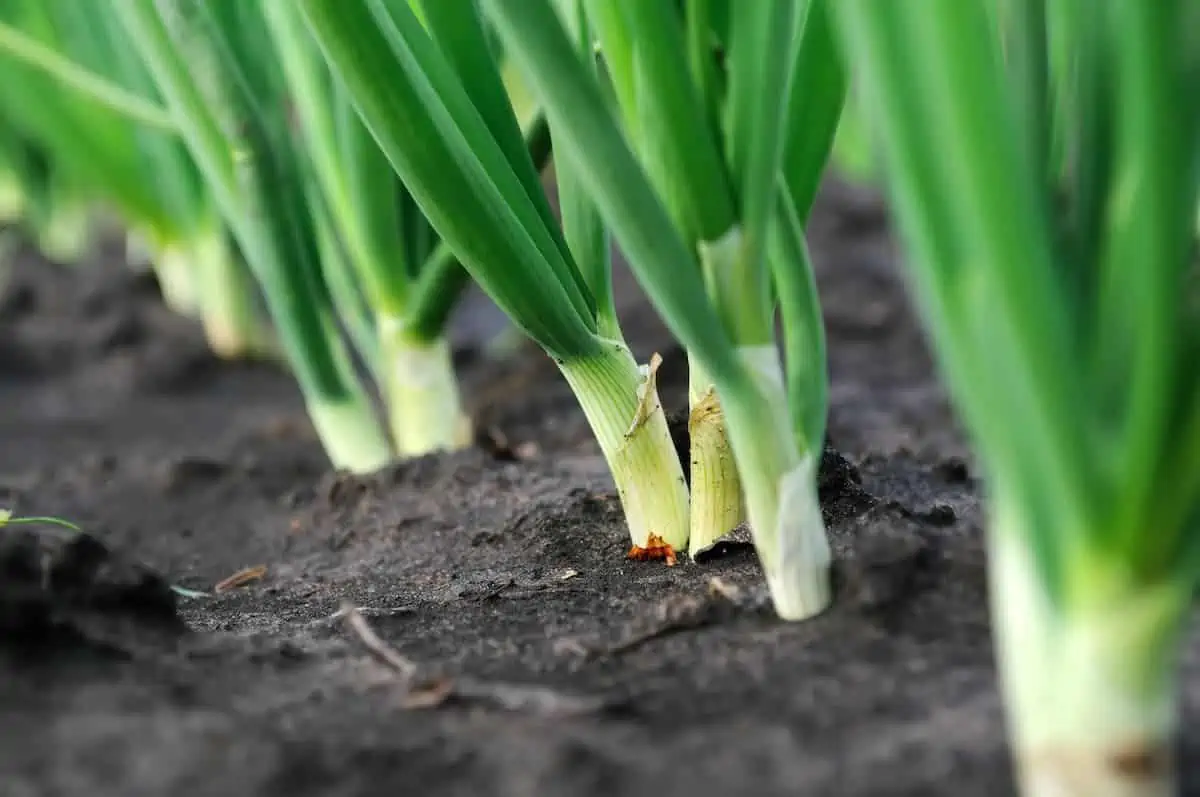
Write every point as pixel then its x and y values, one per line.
pixel 1043 168
pixel 691 104
pixel 83 132
pixel 409 278
pixel 757 132
pixel 424 77
pixel 311 202
pixel 377 244
pixel 388 244
pixel 227 102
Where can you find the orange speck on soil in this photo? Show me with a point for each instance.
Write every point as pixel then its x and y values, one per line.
pixel 656 549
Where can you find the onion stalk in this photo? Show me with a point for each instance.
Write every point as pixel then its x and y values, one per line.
pixel 205 59
pixel 425 80
pixel 393 280
pixel 388 245
pixel 714 271
pixel 665 114
pixel 1042 164
pixel 690 106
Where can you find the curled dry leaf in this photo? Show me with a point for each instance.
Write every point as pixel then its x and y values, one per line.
pixel 241 578
pixel 648 402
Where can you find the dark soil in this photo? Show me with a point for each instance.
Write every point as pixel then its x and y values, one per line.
pixel 529 657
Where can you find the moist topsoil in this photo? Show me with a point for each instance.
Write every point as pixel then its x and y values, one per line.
pixel 500 641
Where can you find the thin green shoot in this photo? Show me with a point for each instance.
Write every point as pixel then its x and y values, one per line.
pixel 7 518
